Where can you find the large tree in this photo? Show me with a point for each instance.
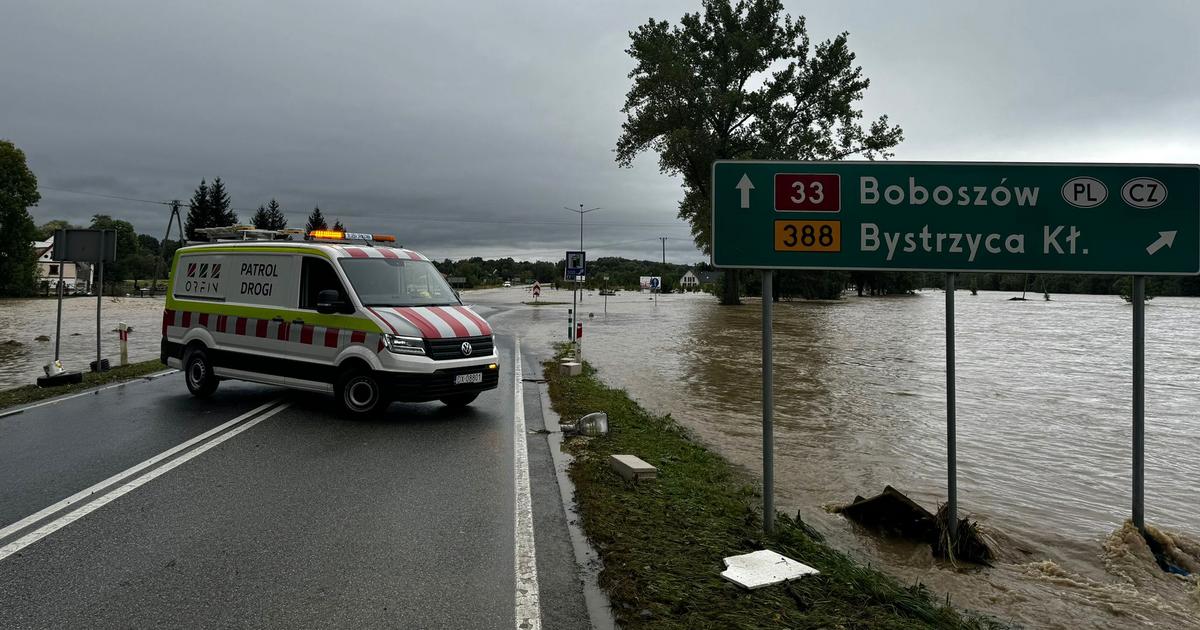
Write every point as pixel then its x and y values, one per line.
pixel 741 80
pixel 18 191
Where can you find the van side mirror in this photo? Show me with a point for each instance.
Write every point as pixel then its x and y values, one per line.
pixel 328 303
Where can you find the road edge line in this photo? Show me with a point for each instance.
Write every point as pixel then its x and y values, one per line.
pixel 91 490
pixel 587 559
pixel 94 390
pixel 528 608
pixel 132 485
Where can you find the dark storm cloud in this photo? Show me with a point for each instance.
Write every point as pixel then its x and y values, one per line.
pixel 466 129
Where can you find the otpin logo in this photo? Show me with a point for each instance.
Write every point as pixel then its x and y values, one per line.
pixel 204 270
pixel 216 271
pixel 191 270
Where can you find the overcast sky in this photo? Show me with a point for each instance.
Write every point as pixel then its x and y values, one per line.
pixel 466 127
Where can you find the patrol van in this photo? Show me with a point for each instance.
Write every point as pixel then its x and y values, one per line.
pixel 347 314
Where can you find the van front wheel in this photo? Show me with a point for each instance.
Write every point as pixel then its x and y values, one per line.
pixel 359 392
pixel 198 373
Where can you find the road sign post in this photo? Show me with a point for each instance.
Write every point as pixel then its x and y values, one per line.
pixel 768 406
pixel 1139 401
pixel 574 271
pixel 1118 219
pixel 951 436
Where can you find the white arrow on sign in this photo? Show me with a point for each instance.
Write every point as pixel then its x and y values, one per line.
pixel 1164 240
pixel 745 186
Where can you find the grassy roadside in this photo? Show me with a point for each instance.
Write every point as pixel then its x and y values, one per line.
pixel 662 542
pixel 32 393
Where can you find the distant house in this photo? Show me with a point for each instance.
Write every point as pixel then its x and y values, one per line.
pixel 75 276
pixel 694 280
pixel 689 281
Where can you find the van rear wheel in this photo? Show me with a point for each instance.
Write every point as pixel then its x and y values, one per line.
pixel 359 392
pixel 461 400
pixel 198 373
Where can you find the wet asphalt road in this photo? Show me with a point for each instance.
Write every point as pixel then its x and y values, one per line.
pixel 305 519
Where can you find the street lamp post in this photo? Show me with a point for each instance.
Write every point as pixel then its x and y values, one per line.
pixel 580 212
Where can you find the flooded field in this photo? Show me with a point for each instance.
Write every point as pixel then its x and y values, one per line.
pixel 1044 429
pixel 23 321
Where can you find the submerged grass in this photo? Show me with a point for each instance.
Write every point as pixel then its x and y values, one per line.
pixel 32 393
pixel 662 542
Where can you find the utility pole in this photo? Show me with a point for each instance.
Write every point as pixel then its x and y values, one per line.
pixel 664 244
pixel 162 254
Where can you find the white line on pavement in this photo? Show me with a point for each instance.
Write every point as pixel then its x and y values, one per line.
pixel 529 614
pixel 65 520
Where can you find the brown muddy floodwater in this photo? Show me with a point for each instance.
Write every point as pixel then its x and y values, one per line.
pixel 1044 429
pixel 23 321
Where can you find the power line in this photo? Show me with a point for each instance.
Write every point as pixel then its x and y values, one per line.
pixel 402 218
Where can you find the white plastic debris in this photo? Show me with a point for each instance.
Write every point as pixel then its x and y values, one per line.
pixel 763 568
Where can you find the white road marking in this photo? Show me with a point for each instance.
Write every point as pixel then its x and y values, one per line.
pixel 88 508
pixel 145 377
pixel 529 614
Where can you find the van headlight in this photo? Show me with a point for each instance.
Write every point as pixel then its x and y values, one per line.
pixel 404 345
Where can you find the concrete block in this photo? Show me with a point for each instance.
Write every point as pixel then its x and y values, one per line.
pixel 570 368
pixel 632 468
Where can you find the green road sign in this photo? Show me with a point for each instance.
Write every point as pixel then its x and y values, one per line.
pixel 964 216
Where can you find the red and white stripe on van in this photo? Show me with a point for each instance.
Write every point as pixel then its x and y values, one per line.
pixel 176 323
pixel 435 322
pixel 369 251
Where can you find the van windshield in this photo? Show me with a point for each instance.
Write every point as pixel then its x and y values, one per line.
pixel 397 282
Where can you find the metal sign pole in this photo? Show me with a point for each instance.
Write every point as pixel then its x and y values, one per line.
pixel 58 323
pixel 1139 402
pixel 99 299
pixel 768 404
pixel 951 447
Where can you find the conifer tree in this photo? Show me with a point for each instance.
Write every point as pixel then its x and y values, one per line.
pixel 275 218
pixel 316 221
pixel 199 215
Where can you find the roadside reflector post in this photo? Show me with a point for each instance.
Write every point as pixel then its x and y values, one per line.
pixel 123 335
pixel 951 456
pixel 768 407
pixel 1139 402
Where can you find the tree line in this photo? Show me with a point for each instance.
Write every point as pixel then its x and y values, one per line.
pixel 210 206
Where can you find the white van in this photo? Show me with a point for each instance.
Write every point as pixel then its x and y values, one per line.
pixel 367 322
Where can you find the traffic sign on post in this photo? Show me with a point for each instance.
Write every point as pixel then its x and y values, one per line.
pixel 964 216
pixel 576 266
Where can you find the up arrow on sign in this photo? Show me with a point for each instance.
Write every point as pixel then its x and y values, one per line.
pixel 745 186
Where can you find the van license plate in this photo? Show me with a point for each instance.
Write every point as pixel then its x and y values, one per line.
pixel 463 379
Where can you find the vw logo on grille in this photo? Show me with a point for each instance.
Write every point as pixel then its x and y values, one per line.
pixel 466 349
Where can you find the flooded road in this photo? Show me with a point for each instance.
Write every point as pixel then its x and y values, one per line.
pixel 1044 429
pixel 1044 407
pixel 23 321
